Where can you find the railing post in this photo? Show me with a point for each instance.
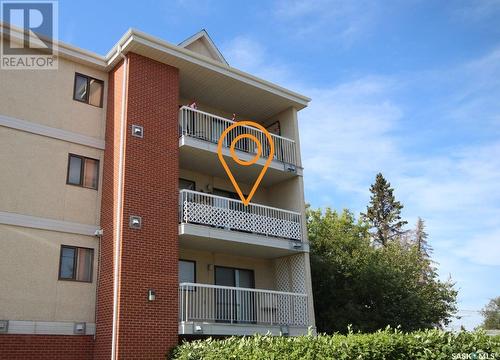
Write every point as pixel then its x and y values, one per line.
pixel 187 303
pixel 231 307
pixel 271 306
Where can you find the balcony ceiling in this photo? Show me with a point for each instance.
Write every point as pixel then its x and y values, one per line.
pixel 215 84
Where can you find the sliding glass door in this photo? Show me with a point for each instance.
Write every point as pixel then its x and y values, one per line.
pixel 234 305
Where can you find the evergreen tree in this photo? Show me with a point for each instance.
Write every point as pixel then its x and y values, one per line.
pixel 421 241
pixel 384 212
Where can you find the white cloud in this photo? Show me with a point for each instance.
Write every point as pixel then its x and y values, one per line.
pixel 482 249
pixel 345 133
pixel 343 21
pixel 249 55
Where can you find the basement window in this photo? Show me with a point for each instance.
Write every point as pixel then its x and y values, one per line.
pixel 88 90
pixel 83 171
pixel 76 263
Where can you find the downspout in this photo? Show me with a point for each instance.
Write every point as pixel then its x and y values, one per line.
pixel 119 210
pixel 96 310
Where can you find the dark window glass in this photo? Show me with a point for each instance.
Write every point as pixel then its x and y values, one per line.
pixel 67 263
pixel 75 170
pixel 187 271
pixel 227 194
pixel 186 184
pixel 88 90
pixel 81 85
pixel 76 263
pixel 83 171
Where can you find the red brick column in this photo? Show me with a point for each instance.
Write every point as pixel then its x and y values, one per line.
pixel 149 256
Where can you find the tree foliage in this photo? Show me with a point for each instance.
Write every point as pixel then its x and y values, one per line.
pixel 421 241
pixel 383 214
pixel 369 286
pixel 491 314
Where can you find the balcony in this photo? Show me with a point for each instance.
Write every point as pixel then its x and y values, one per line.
pixel 199 135
pixel 274 232
pixel 224 310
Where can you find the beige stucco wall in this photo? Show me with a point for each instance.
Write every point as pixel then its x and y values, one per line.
pixel 33 178
pixel 29 269
pixel 33 182
pixel 263 268
pixel 46 97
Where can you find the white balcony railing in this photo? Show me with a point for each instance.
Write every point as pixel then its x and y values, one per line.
pixel 232 305
pixel 221 212
pixel 209 127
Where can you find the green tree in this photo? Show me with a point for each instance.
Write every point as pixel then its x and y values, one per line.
pixel 371 287
pixel 421 241
pixel 491 314
pixel 384 213
pixel 340 247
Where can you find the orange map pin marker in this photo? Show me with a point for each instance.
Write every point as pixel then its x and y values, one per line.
pixel 257 156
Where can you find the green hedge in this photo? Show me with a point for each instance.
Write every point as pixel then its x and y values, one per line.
pixel 388 344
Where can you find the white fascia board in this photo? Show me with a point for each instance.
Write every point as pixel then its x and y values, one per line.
pixel 136 36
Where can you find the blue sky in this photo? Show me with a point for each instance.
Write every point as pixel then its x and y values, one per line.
pixel 408 88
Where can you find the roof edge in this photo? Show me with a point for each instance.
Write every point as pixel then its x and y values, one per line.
pixel 204 33
pixel 132 35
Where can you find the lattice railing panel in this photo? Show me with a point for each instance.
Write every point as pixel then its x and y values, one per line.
pixel 217 211
pixel 290 275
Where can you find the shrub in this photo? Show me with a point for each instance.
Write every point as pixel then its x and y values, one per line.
pixel 388 344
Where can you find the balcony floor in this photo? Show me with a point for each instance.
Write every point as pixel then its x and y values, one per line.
pixel 206 328
pixel 206 238
pixel 200 155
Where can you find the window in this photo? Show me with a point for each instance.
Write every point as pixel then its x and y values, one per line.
pixel 83 171
pixel 76 263
pixel 227 194
pixel 274 128
pixel 233 205
pixel 187 271
pixel 186 184
pixel 88 90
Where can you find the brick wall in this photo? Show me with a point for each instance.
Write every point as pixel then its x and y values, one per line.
pixel 104 305
pixel 149 256
pixel 45 347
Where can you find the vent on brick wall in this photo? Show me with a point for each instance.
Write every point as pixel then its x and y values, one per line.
pixel 4 326
pixel 79 328
pixel 137 131
pixel 135 222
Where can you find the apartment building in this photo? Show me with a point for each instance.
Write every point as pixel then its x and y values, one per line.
pixel 120 232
